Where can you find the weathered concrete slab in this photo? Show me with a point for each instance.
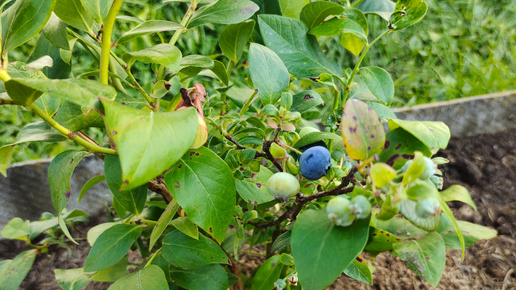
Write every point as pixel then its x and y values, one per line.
pixel 25 192
pixel 468 116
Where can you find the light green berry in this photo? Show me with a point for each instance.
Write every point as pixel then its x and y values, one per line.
pixel 339 211
pixel 427 207
pixel 283 185
pixel 360 206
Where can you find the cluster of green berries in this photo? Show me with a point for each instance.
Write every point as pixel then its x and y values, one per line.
pixel 343 212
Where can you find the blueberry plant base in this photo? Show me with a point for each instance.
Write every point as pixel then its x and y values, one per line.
pixel 485 164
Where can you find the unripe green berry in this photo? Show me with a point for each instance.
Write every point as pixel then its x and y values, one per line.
pixel 339 211
pixel 280 284
pixel 427 207
pixel 429 169
pixel 283 185
pixel 360 206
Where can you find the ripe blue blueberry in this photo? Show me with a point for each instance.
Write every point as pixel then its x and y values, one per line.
pixel 315 162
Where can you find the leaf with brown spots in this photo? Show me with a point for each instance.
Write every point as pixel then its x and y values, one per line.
pixel 362 130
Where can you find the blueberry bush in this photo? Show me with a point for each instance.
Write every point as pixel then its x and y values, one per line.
pixel 265 145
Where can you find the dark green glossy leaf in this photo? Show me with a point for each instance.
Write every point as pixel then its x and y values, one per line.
pixel 150 277
pixel 305 100
pixel 148 27
pixel 59 175
pixel 55 32
pixel 406 13
pixel 23 20
pixel 224 12
pixel 89 184
pixel 426 256
pixel 362 130
pixel 74 14
pixel 133 200
pixel 254 190
pixel 111 246
pixel 314 137
pixel 269 74
pixel 188 253
pixel 337 26
pixel 322 250
pixel 379 82
pixel 148 143
pixel 211 277
pixel 204 187
pixel 299 52
pixel 233 39
pixel 314 13
pixel 268 273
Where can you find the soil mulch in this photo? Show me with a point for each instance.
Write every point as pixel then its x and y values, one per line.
pixel 485 164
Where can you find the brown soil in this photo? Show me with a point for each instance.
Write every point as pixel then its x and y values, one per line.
pixel 485 164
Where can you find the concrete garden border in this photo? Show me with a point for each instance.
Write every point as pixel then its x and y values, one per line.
pixel 25 192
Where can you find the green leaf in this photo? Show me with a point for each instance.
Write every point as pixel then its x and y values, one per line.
pixel 352 42
pixel 268 273
pixel 449 214
pixel 6 157
pixel 188 253
pixel 21 93
pixel 211 277
pixel 55 32
pixel 322 250
pixel 90 183
pixel 59 175
pixel 233 39
pixel 362 130
pixel 150 277
pixel 300 52
pixel 253 190
pixel 379 82
pixel 97 9
pixel 382 174
pixel 81 92
pixel 165 54
pixel 281 242
pixel 148 27
pixel 13 272
pixel 16 228
pixel 305 100
pixel 292 8
pixel 133 200
pixel 400 145
pixel 224 12
pixel 204 187
pixel 380 240
pixel 72 279
pixel 23 20
pixel 163 222
pixel 186 226
pixel 458 193
pixel 48 104
pixel 269 74
pixel 472 233
pixel 408 209
pixel 314 13
pixel 359 270
pixel 383 111
pixel 314 137
pixel 148 143
pixel 399 227
pixel 74 14
pixel 426 256
pixel 112 273
pixel 75 118
pixel 406 13
pixel 111 246
pixel 197 61
pixel 219 69
pixel 337 26
pixel 435 135
pixel 96 231
pixel 382 8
